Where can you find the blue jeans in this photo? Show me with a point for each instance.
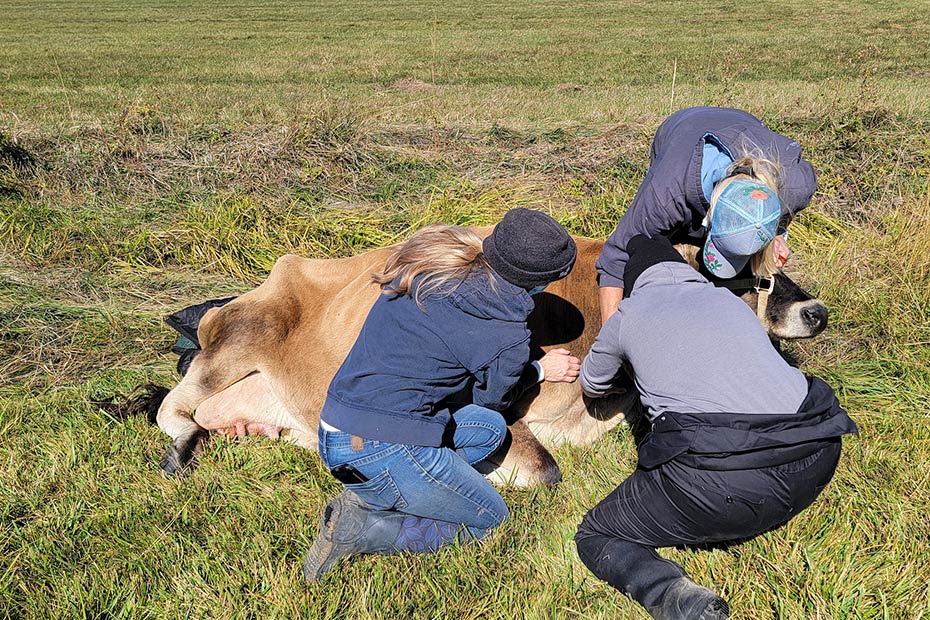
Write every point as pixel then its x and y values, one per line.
pixel 438 484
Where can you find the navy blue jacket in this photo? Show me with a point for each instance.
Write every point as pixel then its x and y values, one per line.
pixel 671 201
pixel 732 440
pixel 408 363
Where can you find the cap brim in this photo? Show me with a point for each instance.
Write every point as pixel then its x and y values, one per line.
pixel 719 264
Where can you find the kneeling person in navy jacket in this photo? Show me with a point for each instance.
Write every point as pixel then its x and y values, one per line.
pixel 740 440
pixel 450 327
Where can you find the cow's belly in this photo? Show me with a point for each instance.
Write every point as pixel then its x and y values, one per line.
pixel 249 407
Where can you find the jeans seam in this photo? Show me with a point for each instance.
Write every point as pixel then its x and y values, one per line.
pixel 385 480
pixel 425 473
pixel 483 425
pixel 371 458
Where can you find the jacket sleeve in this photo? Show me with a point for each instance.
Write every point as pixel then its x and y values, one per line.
pixel 652 212
pixel 797 189
pixel 604 361
pixel 503 380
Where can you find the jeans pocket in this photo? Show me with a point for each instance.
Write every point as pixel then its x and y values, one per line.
pixel 804 479
pixel 380 492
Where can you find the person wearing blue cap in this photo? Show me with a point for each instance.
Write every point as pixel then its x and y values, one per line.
pixel 719 179
pixel 417 401
pixel 738 444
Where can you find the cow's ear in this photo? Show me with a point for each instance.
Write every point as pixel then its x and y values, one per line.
pixel 689 253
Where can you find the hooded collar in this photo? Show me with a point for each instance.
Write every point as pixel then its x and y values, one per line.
pixel 667 273
pixel 500 301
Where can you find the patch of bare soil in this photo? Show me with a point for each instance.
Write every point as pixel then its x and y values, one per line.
pixel 413 85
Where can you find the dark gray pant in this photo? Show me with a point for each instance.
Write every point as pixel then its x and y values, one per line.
pixel 676 505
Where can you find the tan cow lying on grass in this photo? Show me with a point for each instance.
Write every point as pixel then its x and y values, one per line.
pixel 269 355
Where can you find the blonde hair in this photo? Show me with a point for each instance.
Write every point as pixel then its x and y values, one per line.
pixel 763 262
pixel 766 172
pixel 439 257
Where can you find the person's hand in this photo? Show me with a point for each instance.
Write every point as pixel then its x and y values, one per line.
pixel 781 249
pixel 560 365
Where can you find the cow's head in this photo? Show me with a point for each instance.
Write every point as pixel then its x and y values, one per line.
pixel 786 310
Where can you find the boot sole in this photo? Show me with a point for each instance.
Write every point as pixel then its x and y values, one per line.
pixel 717 610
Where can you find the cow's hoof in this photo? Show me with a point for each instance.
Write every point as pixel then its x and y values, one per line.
pixel 550 475
pixel 180 456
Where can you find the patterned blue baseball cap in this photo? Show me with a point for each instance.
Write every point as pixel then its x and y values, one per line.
pixel 745 219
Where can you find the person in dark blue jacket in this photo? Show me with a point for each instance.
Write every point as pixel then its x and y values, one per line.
pixel 698 156
pixel 739 442
pixel 416 402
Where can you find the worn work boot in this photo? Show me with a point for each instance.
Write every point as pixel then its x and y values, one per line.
pixel 686 600
pixel 350 527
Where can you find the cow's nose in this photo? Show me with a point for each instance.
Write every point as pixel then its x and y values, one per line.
pixel 815 316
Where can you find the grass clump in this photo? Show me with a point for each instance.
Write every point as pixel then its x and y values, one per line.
pixel 15 163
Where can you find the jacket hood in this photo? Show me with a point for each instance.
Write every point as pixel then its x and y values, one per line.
pixel 645 252
pixel 667 273
pixel 501 301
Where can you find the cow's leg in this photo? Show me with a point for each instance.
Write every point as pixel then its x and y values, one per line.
pixel 584 420
pixel 522 460
pixel 175 418
pixel 206 376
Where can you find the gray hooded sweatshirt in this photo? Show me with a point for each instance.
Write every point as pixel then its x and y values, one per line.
pixel 694 348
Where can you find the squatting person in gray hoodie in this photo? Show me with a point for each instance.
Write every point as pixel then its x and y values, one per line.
pixel 740 441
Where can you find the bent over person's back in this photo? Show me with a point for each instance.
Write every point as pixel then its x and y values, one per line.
pixel 696 348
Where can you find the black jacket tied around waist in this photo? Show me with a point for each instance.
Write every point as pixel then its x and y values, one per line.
pixel 729 441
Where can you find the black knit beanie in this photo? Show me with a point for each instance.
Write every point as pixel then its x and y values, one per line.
pixel 644 253
pixel 529 249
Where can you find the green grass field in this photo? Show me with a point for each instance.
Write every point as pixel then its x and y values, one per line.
pixel 155 154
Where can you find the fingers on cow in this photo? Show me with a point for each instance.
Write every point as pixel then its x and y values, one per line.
pixel 559 365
